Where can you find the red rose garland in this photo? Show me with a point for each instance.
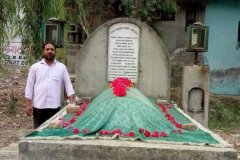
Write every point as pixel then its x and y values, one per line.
pixel 170 117
pixel 67 125
pixel 120 85
pixel 120 90
pixel 117 131
pixel 154 134
pixel 146 133
pixel 122 80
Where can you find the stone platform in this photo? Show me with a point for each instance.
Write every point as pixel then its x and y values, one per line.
pixel 40 148
pixel 118 150
pixel 9 152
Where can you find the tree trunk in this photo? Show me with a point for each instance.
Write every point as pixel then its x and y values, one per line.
pixel 138 8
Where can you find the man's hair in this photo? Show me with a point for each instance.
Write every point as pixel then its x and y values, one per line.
pixel 48 42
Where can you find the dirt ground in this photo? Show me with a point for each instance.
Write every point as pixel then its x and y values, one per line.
pixel 13 121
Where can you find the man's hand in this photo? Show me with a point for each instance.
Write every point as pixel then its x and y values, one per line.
pixel 28 107
pixel 28 110
pixel 72 99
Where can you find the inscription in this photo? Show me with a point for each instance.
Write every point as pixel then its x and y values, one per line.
pixel 13 54
pixel 123 50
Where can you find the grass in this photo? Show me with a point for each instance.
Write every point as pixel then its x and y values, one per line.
pixel 3 71
pixel 224 113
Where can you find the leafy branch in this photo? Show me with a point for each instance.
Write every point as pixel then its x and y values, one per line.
pixel 26 16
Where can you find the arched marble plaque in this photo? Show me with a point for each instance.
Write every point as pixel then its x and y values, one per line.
pixel 123 51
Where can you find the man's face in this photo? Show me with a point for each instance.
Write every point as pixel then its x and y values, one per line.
pixel 49 52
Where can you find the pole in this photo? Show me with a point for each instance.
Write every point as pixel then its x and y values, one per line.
pixel 196 61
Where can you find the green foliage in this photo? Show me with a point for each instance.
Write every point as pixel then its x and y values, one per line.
pixel 61 53
pixel 88 13
pixel 7 18
pixel 34 13
pixel 224 114
pixel 146 10
pixel 3 71
pixel 27 26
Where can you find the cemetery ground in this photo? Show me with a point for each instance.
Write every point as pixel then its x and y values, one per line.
pixel 224 112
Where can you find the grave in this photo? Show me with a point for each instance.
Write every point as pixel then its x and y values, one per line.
pixel 124 47
pixel 146 58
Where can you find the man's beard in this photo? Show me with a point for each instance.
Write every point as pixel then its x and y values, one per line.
pixel 49 57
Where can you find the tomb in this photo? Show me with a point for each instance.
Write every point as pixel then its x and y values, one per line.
pixel 123 81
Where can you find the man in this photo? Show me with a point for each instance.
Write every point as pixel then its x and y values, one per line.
pixel 44 86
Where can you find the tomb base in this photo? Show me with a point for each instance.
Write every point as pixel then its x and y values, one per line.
pixel 120 150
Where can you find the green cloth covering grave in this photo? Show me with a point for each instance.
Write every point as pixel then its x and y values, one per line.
pixel 129 113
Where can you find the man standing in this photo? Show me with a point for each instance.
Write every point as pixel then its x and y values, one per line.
pixel 44 86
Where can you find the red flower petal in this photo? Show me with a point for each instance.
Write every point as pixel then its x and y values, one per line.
pixel 122 80
pixel 120 86
pixel 131 134
pixel 169 106
pixel 155 134
pixel 75 130
pixel 178 125
pixel 78 113
pixel 147 133
pixel 118 130
pixel 65 124
pixel 163 134
pixel 72 120
pixel 141 130
pixel 103 132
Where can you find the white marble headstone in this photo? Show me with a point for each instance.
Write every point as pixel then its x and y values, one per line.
pixel 123 51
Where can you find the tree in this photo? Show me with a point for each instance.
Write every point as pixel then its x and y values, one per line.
pixel 148 10
pixel 144 10
pixel 7 18
pixel 28 25
pixel 89 13
pixel 35 12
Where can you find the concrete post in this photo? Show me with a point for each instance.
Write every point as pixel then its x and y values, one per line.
pixel 195 94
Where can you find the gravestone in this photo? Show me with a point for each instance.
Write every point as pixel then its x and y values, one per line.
pixel 123 47
pixel 123 51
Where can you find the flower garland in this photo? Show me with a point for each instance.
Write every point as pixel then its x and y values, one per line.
pixel 170 117
pixel 117 131
pixel 154 134
pixel 146 133
pixel 120 85
pixel 72 120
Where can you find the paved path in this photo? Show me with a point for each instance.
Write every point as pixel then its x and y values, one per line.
pixel 10 152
